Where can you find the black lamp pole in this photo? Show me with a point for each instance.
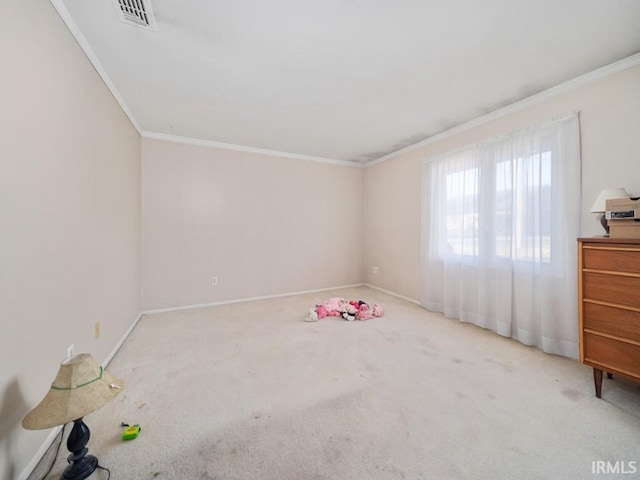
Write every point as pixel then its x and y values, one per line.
pixel 81 465
pixel 605 225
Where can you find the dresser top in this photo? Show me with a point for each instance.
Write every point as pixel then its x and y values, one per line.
pixel 609 240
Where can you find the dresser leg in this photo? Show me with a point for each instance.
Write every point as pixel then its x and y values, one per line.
pixel 597 380
pixel 609 375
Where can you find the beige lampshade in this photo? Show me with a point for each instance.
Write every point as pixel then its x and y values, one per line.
pixel 600 205
pixel 80 387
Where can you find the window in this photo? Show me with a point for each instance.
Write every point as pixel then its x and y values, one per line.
pixel 523 208
pixel 515 219
pixel 462 214
pixel 499 226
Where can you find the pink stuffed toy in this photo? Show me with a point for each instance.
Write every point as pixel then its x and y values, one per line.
pixel 347 311
pixel 321 311
pixel 363 312
pixel 333 306
pixel 348 308
pixel 338 307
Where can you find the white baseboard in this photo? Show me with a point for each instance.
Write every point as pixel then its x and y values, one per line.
pixel 248 299
pixel 266 297
pixel 122 340
pixel 392 293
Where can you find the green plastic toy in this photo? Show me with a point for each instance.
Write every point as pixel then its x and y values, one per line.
pixel 130 432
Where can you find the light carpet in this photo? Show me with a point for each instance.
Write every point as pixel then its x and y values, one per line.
pixel 252 391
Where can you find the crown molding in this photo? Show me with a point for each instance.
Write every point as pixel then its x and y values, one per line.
pixel 569 85
pixel 242 148
pixel 66 17
pixel 603 72
pixel 84 45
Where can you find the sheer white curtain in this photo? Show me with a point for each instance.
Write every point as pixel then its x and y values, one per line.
pixel 499 226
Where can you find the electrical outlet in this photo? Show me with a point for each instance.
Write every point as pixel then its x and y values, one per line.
pixel 96 330
pixel 70 349
pixel 375 269
pixel 214 281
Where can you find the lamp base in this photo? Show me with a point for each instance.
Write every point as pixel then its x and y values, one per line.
pixel 605 225
pixel 80 469
pixel 80 465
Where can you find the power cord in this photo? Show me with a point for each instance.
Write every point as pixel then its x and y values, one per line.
pixel 55 457
pixel 108 471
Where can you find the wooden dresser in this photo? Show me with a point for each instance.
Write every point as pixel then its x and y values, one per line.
pixel 609 307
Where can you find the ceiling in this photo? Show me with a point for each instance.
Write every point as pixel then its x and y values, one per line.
pixel 349 80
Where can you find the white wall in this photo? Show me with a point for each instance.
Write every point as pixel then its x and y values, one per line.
pixel 263 225
pixel 69 216
pixel 610 129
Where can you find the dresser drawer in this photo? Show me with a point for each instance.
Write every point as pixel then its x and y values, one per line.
pixel 612 355
pixel 611 288
pixel 613 258
pixel 611 320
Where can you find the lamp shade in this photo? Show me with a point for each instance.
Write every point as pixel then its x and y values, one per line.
pixel 80 387
pixel 600 205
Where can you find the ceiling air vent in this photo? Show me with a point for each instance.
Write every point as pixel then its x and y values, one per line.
pixel 136 12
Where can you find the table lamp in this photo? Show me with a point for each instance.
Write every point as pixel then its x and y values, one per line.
pixel 80 388
pixel 600 205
